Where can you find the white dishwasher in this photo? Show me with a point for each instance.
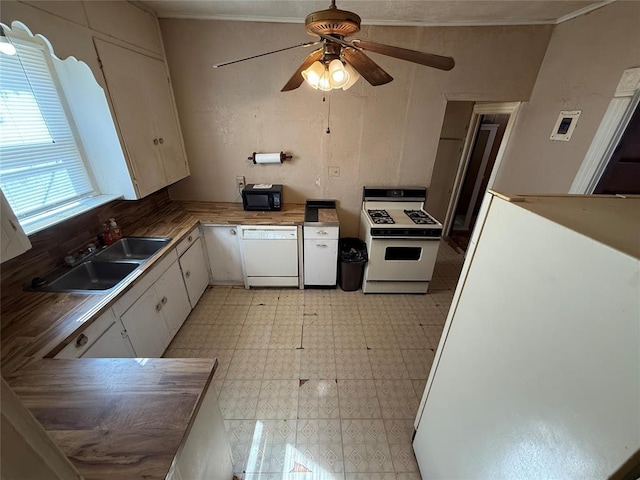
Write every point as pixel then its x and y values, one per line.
pixel 269 255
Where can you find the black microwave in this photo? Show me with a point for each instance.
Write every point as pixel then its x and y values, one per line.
pixel 262 197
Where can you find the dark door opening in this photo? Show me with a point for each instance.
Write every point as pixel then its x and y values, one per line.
pixel 476 178
pixel 622 174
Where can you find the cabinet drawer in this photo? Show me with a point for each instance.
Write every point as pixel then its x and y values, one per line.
pixel 82 341
pixel 321 232
pixel 187 241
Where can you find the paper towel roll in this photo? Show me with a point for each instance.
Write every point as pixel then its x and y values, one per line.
pixel 268 158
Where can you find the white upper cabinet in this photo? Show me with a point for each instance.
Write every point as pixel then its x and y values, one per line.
pixel 13 241
pixel 124 21
pixel 142 101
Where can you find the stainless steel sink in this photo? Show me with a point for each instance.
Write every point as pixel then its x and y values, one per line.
pixel 132 248
pixel 106 269
pixel 91 276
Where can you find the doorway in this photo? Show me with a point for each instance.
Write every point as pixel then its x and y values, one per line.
pixel 476 166
pixel 480 164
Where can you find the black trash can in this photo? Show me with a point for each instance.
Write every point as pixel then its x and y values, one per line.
pixel 353 256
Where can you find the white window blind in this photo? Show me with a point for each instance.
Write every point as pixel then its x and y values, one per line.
pixel 41 169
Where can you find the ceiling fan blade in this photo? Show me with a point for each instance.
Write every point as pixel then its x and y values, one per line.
pixel 305 44
pixel 428 59
pixel 296 79
pixel 366 67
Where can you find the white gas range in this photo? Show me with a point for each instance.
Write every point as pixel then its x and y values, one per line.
pixel 402 240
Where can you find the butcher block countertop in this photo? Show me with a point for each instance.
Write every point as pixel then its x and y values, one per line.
pixel 220 213
pixel 116 418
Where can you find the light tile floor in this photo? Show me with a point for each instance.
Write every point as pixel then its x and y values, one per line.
pixel 320 384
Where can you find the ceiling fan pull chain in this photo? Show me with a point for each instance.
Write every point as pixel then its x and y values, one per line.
pixel 324 98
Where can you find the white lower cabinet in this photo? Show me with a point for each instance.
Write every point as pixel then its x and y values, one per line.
pixel 105 337
pixel 173 299
pixel 114 343
pixel 147 329
pixel 223 249
pixel 194 271
pixel 153 317
pixel 320 255
pixel 320 262
pixel 205 453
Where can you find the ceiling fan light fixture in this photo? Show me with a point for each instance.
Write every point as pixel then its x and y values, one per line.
pixel 314 74
pixel 353 76
pixel 337 73
pixel 325 81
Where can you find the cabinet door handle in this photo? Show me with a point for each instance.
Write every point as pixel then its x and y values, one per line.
pixel 321 245
pixel 232 231
pixel 158 307
pixel 322 232
pixel 188 274
pixel 15 229
pixel 161 140
pixel 82 340
pixel 164 300
pixel 155 141
pixel 190 238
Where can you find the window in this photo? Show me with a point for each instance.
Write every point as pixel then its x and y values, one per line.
pixel 42 171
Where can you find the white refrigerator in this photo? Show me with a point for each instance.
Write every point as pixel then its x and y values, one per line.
pixel 537 374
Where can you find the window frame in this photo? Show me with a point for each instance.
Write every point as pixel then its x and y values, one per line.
pixel 52 215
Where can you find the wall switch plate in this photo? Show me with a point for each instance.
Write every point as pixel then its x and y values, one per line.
pixel 334 171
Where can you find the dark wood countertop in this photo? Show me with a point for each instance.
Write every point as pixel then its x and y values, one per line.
pixel 35 323
pixel 115 418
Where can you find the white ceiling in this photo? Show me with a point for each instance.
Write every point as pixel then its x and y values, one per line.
pixel 384 12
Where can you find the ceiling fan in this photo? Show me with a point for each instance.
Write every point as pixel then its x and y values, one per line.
pixel 338 63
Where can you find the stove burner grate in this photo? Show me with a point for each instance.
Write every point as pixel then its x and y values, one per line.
pixel 380 216
pixel 419 217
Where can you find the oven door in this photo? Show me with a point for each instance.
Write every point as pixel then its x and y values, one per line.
pixel 402 259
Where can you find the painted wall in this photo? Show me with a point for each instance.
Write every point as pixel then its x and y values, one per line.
pixel 386 135
pixel 581 69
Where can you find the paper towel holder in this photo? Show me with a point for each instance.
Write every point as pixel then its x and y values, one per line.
pixel 283 157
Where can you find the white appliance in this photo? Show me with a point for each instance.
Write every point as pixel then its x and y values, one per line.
pixel 269 255
pixel 537 372
pixel 402 240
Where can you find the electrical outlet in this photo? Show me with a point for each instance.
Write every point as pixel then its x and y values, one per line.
pixel 240 182
pixel 334 171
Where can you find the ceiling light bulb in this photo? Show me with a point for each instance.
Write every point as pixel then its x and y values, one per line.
pixel 313 74
pixel 325 81
pixel 6 46
pixel 338 75
pixel 353 76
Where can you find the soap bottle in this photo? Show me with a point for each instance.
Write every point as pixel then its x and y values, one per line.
pixel 114 229
pixel 105 235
